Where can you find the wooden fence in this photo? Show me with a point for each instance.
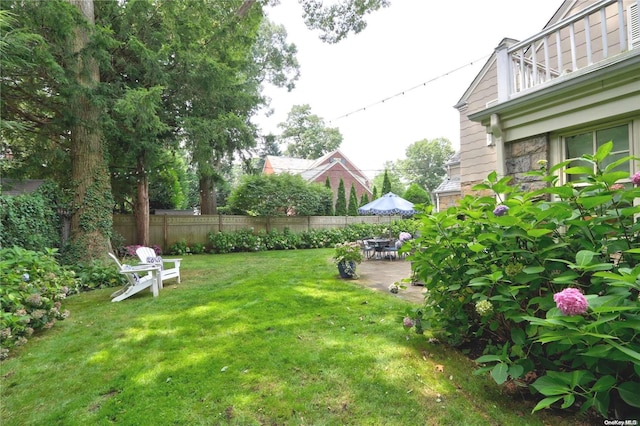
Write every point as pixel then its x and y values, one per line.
pixel 166 230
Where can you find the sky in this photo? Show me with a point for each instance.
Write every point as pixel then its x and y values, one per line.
pixel 419 56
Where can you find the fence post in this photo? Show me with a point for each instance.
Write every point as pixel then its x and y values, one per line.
pixel 165 232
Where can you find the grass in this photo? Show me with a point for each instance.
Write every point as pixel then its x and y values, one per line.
pixel 260 338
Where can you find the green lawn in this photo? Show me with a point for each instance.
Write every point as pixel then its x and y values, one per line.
pixel 262 338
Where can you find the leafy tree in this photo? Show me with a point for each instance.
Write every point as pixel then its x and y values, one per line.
pixel 337 20
pixel 364 199
pixel 91 53
pixel 416 194
pixel 278 195
pixel 425 162
pixel 352 206
pixel 341 201
pixel 306 135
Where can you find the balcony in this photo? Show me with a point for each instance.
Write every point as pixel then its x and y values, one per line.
pixel 601 34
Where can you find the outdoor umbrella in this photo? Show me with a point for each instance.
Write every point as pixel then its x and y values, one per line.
pixel 389 203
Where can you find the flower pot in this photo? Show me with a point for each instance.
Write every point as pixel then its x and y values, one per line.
pixel 347 269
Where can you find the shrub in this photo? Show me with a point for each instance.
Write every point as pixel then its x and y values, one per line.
pixel 493 264
pixel 30 221
pixel 246 240
pixel 33 287
pixel 98 274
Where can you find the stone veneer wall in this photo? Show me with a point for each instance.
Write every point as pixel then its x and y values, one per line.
pixel 520 157
pixel 523 156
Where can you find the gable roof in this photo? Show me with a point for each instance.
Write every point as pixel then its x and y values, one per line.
pixel 19 187
pixel 310 170
pixel 288 164
pixel 451 184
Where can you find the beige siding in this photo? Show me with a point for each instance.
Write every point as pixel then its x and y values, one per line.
pixel 476 158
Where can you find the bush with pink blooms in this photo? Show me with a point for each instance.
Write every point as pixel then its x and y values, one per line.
pixel 33 289
pixel 545 283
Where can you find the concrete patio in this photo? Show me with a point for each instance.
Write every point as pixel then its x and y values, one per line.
pixel 380 274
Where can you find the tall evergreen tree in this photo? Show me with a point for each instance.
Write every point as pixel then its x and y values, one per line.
pixel 386 183
pixel 341 202
pixel 364 199
pixel 374 195
pixel 329 210
pixel 352 207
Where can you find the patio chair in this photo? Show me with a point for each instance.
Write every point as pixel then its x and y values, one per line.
pixel 147 255
pixel 368 251
pixel 390 251
pixel 135 283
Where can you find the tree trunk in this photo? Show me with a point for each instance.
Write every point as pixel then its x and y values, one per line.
pixel 142 205
pixel 208 203
pixel 91 222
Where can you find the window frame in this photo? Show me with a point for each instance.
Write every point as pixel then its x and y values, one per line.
pixel 558 149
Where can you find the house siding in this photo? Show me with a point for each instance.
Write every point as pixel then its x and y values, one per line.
pixel 477 159
pixel 534 122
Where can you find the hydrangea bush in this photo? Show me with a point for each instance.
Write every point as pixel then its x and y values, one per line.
pixel 547 282
pixel 33 288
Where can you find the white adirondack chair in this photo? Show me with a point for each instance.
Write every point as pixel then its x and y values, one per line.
pixel 148 256
pixel 136 283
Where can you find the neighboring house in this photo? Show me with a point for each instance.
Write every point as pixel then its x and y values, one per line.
pixel 335 165
pixel 448 192
pixel 19 187
pixel 559 94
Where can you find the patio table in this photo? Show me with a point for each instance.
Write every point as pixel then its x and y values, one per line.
pixel 379 245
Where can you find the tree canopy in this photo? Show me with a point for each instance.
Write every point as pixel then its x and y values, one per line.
pixel 306 135
pixel 425 162
pixel 279 195
pixel 100 89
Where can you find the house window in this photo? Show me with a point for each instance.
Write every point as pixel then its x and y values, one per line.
pixel 589 142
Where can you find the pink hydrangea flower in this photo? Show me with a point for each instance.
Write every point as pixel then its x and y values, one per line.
pixel 571 301
pixel 636 178
pixel 408 322
pixel 617 187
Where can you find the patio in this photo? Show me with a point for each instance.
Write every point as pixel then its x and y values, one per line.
pixel 379 275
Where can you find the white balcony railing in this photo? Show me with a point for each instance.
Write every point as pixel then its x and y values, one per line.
pixel 600 31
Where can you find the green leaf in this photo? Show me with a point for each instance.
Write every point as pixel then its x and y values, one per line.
pixel 613 177
pixel 538 232
pixel 533 269
pixel 516 371
pixel 630 352
pixel 568 401
pixel 518 337
pixel 546 403
pixel 629 392
pixel 593 201
pixel 549 386
pixel 603 151
pixel 604 383
pixel 580 170
pixel 475 247
pixel 500 373
pixel 488 358
pixel 618 162
pixel 562 191
pixel 584 258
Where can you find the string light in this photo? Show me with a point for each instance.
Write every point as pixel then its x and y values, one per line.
pixel 410 89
